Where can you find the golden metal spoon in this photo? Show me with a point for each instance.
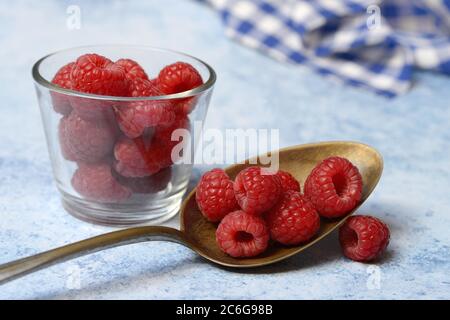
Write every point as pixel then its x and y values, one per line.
pixel 199 235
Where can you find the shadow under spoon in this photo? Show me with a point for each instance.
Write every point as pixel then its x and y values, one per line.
pixel 199 235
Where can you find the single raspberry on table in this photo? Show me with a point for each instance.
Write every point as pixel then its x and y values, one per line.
pixel 242 235
pixel 288 182
pixel 96 182
pixel 363 238
pixel 140 157
pixel 132 69
pixel 147 185
pixel 215 195
pixel 256 191
pixel 334 187
pixel 293 220
pixel 96 74
pixel 178 77
pixel 62 78
pixel 85 141
pixel 134 117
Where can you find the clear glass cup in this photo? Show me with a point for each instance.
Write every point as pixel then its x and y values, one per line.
pixel 103 175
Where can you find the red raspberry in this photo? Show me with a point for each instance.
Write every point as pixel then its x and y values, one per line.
pixel 96 182
pixel 183 107
pixel 215 195
pixel 135 117
pixel 132 69
pixel 142 88
pixel 85 141
pixel 61 103
pixel 178 77
pixel 162 137
pixel 288 182
pixel 255 191
pixel 293 220
pixel 140 158
pixel 242 235
pixel 93 109
pixel 163 133
pixel 96 74
pixel 363 238
pixel 147 185
pixel 155 83
pixel 334 187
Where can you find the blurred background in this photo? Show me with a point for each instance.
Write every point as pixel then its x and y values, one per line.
pixel 253 91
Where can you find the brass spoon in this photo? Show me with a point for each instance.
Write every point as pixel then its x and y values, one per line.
pixel 199 235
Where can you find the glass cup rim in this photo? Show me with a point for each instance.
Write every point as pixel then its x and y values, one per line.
pixel 38 78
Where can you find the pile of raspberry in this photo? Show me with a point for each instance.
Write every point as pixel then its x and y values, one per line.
pixel 121 148
pixel 259 206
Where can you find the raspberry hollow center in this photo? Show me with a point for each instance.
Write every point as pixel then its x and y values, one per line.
pixel 242 236
pixel 340 184
pixel 351 238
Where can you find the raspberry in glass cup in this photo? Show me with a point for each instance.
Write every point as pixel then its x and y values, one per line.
pixel 110 114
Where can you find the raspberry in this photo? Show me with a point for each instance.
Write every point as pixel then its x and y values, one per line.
pixel 135 117
pixel 256 192
pixel 178 77
pixel 147 154
pixel 334 187
pixel 215 195
pixel 142 88
pixel 96 182
pixel 162 137
pixel 363 238
pixel 147 185
pixel 242 235
pixel 155 83
pixel 132 69
pixel 140 158
pixel 163 133
pixel 183 107
pixel 85 141
pixel 93 109
pixel 96 74
pixel 288 182
pixel 61 103
pixel 293 220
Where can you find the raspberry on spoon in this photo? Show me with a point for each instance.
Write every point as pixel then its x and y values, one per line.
pixel 293 220
pixel 215 195
pixel 334 187
pixel 242 235
pixel 288 182
pixel 256 192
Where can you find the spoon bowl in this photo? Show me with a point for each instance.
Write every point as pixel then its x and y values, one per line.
pixel 299 161
pixel 199 235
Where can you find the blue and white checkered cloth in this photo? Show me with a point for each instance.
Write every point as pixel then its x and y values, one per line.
pixel 372 44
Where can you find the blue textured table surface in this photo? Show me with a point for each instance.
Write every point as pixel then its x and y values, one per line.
pixel 412 132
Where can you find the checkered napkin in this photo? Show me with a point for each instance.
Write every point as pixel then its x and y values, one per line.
pixel 372 44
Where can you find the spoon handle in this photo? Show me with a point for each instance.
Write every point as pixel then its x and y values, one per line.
pixel 15 269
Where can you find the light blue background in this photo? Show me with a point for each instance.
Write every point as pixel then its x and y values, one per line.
pixel 252 91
